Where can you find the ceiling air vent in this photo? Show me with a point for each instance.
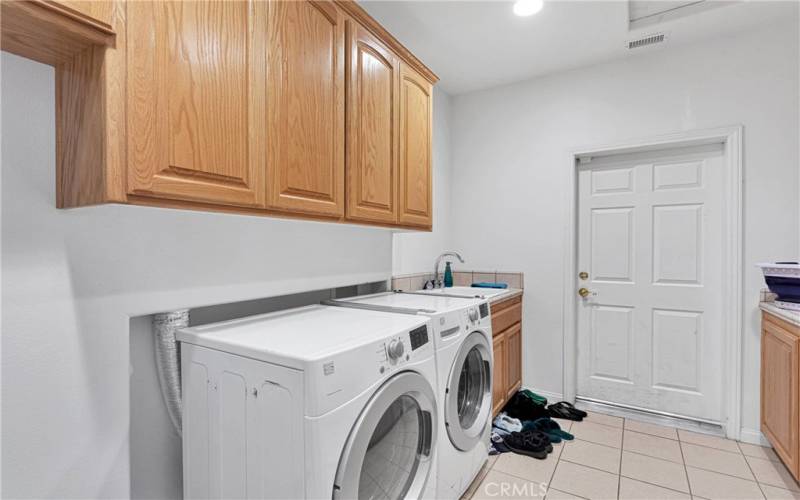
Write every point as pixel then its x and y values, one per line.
pixel 646 40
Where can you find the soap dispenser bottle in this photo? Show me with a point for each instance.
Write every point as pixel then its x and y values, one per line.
pixel 448 276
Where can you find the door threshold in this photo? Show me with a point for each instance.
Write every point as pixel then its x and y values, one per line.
pixel 650 417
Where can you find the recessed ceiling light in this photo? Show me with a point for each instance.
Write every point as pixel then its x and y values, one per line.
pixel 524 8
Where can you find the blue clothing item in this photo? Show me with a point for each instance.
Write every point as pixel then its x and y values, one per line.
pixel 507 423
pixel 499 431
pixel 486 284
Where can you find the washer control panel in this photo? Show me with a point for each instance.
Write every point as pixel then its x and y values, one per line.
pixel 418 337
pixel 395 349
pixel 401 348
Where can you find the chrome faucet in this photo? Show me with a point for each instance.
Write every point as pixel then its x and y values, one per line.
pixel 437 283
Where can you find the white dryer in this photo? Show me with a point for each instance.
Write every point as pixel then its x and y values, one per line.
pixel 462 331
pixel 315 402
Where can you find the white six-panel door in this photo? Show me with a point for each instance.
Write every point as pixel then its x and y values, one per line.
pixel 650 241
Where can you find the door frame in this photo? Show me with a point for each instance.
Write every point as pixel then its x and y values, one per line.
pixel 732 321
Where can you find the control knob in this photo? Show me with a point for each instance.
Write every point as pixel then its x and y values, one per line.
pixel 396 349
pixel 473 315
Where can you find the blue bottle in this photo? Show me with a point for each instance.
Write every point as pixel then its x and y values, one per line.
pixel 448 276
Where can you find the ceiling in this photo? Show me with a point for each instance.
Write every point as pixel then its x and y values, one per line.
pixel 474 45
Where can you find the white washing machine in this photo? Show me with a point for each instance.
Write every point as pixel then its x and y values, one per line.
pixel 462 331
pixel 315 402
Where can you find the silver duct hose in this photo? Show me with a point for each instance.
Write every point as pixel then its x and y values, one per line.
pixel 168 361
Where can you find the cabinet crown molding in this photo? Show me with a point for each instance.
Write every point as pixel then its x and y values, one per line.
pixel 359 14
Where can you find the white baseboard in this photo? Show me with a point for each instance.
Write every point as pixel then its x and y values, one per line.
pixel 753 436
pixel 552 397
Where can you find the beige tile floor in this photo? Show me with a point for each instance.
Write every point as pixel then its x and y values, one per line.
pixel 612 457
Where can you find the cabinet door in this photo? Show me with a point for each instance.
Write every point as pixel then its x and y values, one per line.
pixel 192 101
pixel 415 149
pixel 372 132
pixel 305 107
pixel 513 359
pixel 499 373
pixel 779 390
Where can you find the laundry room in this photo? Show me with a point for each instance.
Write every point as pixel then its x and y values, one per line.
pixel 357 249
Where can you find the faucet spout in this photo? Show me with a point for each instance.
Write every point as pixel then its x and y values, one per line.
pixel 437 283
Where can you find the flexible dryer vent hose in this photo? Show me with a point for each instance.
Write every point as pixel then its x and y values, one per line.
pixel 168 361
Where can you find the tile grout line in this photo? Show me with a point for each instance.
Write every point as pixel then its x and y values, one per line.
pixel 622 475
pixel 558 461
pixel 685 469
pixel 717 449
pixel 657 458
pixel 621 450
pixel 600 423
pixel 729 475
pixel 750 468
pixel 587 466
pixel 652 435
pixel 658 485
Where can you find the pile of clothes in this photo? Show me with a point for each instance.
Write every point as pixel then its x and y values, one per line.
pixel 526 425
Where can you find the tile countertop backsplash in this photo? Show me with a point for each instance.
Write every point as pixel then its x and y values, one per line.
pixel 766 304
pixel 413 282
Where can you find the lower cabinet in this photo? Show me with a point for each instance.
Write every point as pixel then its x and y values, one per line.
pixel 499 373
pixel 507 346
pixel 780 375
pixel 513 359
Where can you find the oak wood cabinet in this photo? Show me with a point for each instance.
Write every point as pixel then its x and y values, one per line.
pixel 373 127
pixel 507 346
pixel 305 107
pixel 242 106
pixel 780 386
pixel 513 359
pixel 498 373
pixel 195 101
pixel 53 32
pixel 415 148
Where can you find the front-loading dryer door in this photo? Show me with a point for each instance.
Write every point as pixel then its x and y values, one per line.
pixel 388 452
pixel 468 400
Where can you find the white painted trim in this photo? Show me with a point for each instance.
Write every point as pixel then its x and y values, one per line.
pixel 753 436
pixel 552 397
pixel 731 137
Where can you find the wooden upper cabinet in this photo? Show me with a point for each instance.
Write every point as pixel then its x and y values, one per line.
pixel 305 107
pixel 373 127
pixel 415 148
pixel 93 10
pixel 194 102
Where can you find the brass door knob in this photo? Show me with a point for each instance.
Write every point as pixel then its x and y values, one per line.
pixel 583 292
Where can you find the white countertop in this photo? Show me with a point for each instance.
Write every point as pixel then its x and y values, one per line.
pixel 507 294
pixel 786 315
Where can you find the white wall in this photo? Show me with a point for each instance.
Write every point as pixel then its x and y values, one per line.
pixel 72 279
pixel 511 144
pixel 415 252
